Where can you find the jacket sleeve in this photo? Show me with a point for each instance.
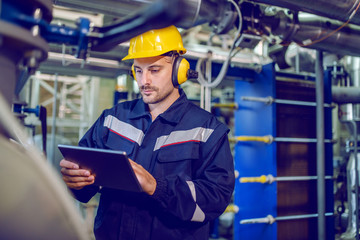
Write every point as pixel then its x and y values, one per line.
pixel 207 194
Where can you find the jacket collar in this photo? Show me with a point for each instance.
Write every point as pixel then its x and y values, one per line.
pixel 172 114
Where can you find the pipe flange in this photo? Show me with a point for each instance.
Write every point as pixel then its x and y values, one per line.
pixel 18 43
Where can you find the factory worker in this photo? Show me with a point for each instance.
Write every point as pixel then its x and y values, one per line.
pixel 179 152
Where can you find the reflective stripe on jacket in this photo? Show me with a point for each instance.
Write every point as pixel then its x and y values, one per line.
pixel 186 149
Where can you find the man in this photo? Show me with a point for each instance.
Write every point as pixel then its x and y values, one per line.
pixel 180 153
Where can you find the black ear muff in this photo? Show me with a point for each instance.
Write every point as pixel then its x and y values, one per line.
pixel 180 70
pixel 132 73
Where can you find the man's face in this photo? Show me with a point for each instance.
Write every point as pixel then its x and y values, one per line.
pixel 153 75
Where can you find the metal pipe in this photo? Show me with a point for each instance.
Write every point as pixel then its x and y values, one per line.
pixel 264 139
pixel 299 178
pixel 356 180
pixel 301 103
pixel 248 60
pixel 309 34
pixel 270 139
pixel 300 140
pixel 194 12
pixel 209 79
pixel 270 219
pixel 320 145
pixel 315 32
pixel 53 127
pixel 108 7
pixel 270 100
pixel 282 218
pixel 297 61
pixel 67 59
pixel 270 179
pixel 345 94
pixel 267 100
pixel 327 8
pixel 225 105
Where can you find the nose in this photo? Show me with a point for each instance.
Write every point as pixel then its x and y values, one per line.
pixel 145 78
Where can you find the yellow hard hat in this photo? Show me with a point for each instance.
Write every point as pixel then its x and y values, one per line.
pixel 155 42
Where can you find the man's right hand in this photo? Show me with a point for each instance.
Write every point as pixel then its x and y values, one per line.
pixel 74 176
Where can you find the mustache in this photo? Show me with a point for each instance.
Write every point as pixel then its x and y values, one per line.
pixel 148 87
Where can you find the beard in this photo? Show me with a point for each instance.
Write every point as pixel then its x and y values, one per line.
pixel 154 96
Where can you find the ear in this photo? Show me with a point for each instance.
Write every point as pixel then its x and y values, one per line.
pixel 180 70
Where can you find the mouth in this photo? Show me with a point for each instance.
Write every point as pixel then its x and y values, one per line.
pixel 147 90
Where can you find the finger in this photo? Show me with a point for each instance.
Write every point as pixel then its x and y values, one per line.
pixel 89 179
pixel 78 185
pixel 75 172
pixel 134 164
pixel 146 180
pixel 68 164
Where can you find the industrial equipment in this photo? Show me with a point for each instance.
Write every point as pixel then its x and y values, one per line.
pixel 283 117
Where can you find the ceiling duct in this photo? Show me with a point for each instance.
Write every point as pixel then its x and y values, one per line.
pixel 195 12
pixel 113 8
pixel 333 9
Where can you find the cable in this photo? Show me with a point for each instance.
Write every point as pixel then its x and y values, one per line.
pixel 225 65
pixel 240 17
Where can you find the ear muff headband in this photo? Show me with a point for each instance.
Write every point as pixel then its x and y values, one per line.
pixel 133 72
pixel 179 71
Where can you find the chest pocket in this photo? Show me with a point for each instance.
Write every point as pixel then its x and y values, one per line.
pixel 119 143
pixel 178 158
pixel 122 135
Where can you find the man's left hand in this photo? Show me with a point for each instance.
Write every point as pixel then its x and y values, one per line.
pixel 146 180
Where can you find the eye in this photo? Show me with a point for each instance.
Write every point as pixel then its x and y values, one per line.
pixel 137 70
pixel 154 70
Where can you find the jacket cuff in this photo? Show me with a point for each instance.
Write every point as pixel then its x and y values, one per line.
pixel 160 193
pixel 85 194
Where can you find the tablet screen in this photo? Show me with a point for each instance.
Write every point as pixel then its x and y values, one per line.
pixel 112 169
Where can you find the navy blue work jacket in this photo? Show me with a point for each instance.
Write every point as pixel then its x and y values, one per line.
pixel 186 149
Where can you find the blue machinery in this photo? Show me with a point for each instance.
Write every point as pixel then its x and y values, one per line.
pixel 275 159
pixel 254 158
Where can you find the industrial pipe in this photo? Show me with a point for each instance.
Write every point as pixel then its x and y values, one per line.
pixel 270 100
pixel 356 178
pixel 269 219
pixel 225 105
pixel 261 179
pixel 264 139
pixel 320 145
pixel 270 179
pixel 345 94
pixel 270 139
pixel 326 8
pixel 311 31
pixel 194 12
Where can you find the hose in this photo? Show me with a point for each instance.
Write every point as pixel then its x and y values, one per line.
pixel 225 65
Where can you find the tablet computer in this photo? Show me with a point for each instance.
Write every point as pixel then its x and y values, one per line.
pixel 111 168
